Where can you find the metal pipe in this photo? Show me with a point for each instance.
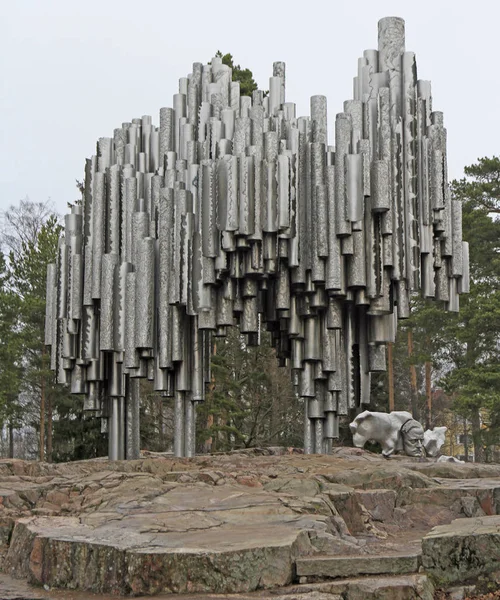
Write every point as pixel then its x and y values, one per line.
pixel 179 424
pixel 114 431
pixel 132 407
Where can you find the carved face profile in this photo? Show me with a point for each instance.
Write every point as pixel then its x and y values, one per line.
pixel 413 437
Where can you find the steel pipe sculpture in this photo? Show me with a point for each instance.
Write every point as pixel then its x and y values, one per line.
pixel 234 210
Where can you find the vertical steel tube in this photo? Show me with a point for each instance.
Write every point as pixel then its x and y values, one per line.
pixel 318 436
pixel 190 428
pixel 114 430
pixel 132 407
pixel 179 424
pixel 308 429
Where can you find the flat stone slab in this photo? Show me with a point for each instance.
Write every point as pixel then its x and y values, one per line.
pixel 352 566
pixel 463 550
pixel 395 587
pixel 409 587
pixel 63 552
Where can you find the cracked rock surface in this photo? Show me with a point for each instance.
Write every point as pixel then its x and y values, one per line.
pixel 463 550
pixel 229 523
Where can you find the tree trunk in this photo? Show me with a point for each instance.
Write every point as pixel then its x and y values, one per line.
pixel 211 443
pixel 227 423
pixel 42 420
pixel 466 442
pixel 163 432
pixel 413 379
pixel 390 373
pixel 476 436
pixel 428 393
pixel 49 428
pixel 11 440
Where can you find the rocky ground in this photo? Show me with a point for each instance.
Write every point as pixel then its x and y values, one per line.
pixel 348 526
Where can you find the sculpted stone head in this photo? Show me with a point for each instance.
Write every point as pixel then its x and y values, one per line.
pixel 413 437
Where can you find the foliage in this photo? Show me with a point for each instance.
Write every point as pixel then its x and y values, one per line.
pixel 77 436
pixel 481 186
pixel 251 401
pixel 30 239
pixel 22 224
pixel 464 347
pixel 244 76
pixel 10 348
pixel 474 336
pixel 156 419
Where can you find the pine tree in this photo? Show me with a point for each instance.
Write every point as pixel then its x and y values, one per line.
pixel 464 348
pixel 251 401
pixel 244 76
pixel 30 398
pixel 10 356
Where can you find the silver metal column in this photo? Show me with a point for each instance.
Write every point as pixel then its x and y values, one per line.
pixel 132 402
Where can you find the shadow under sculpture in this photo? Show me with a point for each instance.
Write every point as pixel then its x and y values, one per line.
pixel 235 210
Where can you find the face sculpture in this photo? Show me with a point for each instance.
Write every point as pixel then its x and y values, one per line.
pixel 394 431
pixel 413 436
pixel 434 439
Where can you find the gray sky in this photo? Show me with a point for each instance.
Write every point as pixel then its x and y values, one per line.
pixel 73 71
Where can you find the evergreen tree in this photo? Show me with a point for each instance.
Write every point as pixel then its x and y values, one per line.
pixel 10 355
pixel 244 76
pixel 251 401
pixel 464 348
pixel 29 395
pixel 32 235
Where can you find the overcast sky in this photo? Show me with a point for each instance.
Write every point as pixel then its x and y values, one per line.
pixel 72 71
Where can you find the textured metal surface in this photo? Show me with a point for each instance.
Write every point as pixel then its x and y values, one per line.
pixel 132 403
pixel 234 210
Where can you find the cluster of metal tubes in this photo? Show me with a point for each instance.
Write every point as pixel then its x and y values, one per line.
pixel 235 211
